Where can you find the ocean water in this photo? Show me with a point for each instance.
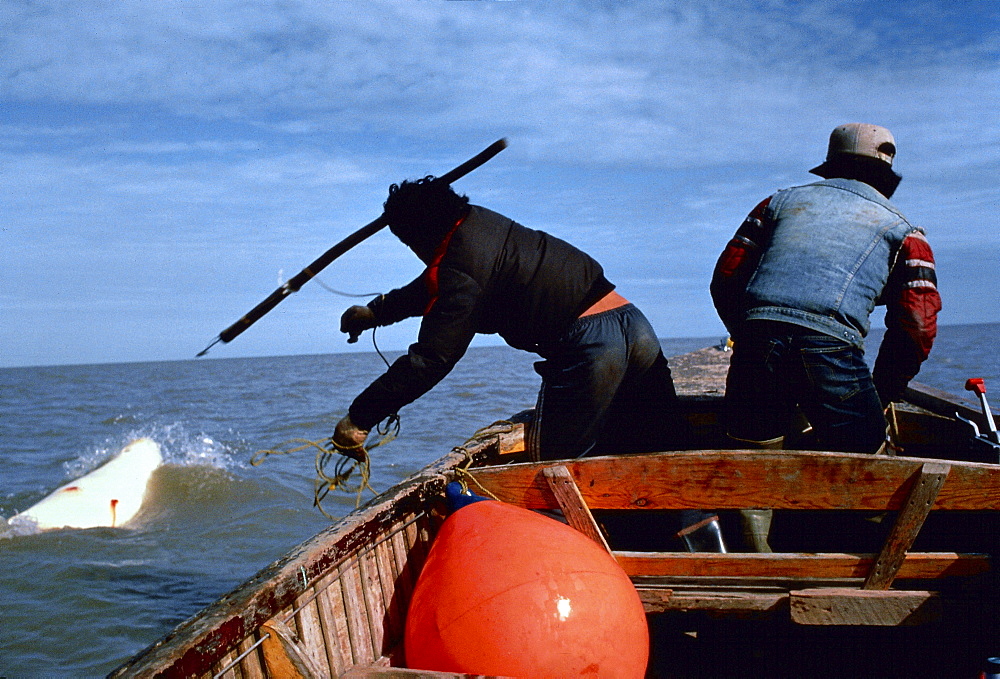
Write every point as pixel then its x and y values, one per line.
pixel 79 602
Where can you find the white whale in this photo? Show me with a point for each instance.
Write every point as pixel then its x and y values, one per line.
pixel 110 495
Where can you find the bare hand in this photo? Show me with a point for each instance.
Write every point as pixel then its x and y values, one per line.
pixel 349 440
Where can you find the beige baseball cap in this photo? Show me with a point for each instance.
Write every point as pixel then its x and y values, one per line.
pixel 859 139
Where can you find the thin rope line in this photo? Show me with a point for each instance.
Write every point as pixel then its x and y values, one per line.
pixel 351 559
pixel 338 569
pixel 344 294
pixel 237 659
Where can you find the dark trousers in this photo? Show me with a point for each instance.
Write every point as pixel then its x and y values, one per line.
pixel 778 367
pixel 606 389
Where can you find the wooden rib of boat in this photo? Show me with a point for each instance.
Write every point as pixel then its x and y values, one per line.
pixel 884 560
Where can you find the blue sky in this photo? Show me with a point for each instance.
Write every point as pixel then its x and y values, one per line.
pixel 166 165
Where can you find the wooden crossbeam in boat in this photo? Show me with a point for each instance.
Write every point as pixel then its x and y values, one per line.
pixel 926 487
pixel 848 606
pixel 915 566
pixel 657 599
pixel 833 605
pixel 735 479
pixel 571 502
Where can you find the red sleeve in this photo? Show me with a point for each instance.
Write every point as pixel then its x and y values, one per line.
pixel 918 301
pixel 912 305
pixel 737 263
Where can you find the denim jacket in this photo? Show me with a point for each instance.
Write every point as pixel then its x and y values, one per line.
pixel 822 256
pixel 829 251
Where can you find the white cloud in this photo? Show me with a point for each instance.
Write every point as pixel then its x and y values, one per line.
pixel 605 83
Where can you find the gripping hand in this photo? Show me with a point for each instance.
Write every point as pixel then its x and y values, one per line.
pixel 349 440
pixel 355 321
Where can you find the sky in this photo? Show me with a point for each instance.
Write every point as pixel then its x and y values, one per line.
pixel 165 166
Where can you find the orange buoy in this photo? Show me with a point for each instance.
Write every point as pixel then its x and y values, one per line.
pixel 509 592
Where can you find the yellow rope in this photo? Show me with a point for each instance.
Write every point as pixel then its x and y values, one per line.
pixel 462 473
pixel 324 482
pixel 463 476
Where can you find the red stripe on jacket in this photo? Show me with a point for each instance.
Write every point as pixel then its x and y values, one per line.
pixel 919 300
pixel 431 275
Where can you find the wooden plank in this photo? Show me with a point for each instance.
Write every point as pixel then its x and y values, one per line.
pixel 406 578
pixel 925 430
pixel 201 641
pixel 571 502
pixel 284 656
pixel 660 600
pixel 374 601
pixel 405 581
pixel 511 442
pixel 333 616
pixel 252 664
pixel 919 565
pixel 359 628
pixel 724 479
pixel 310 631
pixel 394 617
pixel 843 606
pixel 910 520
pixel 234 670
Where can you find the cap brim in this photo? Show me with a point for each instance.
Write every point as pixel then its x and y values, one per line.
pixel 828 169
pixel 822 170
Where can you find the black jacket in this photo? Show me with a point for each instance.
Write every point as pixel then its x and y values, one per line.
pixel 495 276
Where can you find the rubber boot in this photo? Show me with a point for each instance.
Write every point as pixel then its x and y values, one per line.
pixel 704 535
pixel 756 525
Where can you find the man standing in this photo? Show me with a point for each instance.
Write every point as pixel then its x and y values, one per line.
pixel 606 386
pixel 796 285
pixel 795 288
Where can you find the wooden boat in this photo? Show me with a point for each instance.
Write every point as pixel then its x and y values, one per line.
pixel 885 569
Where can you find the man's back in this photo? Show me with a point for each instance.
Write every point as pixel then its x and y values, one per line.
pixel 531 284
pixel 829 251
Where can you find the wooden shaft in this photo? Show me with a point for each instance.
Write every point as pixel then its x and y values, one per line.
pixel 365 232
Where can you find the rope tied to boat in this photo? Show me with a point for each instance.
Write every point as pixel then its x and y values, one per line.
pixel 461 471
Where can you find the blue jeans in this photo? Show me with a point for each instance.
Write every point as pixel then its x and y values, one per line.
pixel 777 367
pixel 606 388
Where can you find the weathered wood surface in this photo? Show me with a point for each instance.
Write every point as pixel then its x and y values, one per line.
pixel 284 656
pixel 734 479
pixel 570 500
pixel 343 594
pixel 661 600
pixel 904 531
pixel 703 373
pixel 205 643
pixel 844 606
pixel 700 373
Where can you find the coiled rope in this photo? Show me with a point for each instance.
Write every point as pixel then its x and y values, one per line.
pixel 343 467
